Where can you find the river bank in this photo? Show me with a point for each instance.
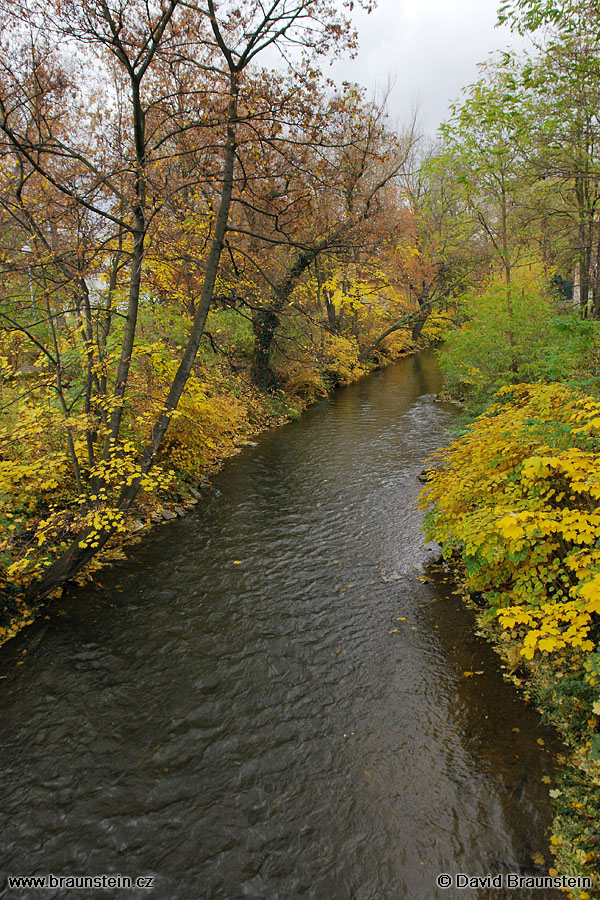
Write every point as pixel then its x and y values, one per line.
pixel 233 413
pixel 559 692
pixel 519 525
pixel 269 698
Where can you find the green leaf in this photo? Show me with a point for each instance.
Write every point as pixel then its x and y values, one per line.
pixel 595 751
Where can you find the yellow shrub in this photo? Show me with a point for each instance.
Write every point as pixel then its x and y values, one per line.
pixel 340 355
pixel 202 427
pixel 518 497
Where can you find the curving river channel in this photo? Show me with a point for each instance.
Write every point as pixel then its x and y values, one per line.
pixel 266 701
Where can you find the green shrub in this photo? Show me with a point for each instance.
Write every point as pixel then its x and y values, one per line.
pixel 513 338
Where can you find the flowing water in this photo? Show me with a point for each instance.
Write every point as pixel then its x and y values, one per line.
pixel 266 701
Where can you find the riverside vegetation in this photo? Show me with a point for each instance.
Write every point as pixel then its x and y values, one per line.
pixel 515 498
pixel 195 246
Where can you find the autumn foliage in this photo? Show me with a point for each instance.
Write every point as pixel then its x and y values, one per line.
pixel 517 496
pixel 192 245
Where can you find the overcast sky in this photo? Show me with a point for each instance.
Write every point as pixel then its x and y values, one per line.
pixel 429 48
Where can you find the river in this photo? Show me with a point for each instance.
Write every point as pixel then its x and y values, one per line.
pixel 267 700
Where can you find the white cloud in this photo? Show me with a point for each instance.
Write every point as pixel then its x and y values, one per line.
pixel 429 49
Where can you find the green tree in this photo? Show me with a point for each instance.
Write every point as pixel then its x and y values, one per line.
pixel 562 83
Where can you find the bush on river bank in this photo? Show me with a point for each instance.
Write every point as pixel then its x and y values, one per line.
pixel 221 410
pixel 515 503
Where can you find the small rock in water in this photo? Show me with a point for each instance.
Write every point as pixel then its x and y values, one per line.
pixel 167 514
pixel 179 510
pixel 195 494
pixel 251 444
pixel 434 551
pixel 204 486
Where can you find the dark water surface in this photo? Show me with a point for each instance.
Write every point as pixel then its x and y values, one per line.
pixel 255 730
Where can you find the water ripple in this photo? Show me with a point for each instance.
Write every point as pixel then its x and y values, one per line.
pixel 297 725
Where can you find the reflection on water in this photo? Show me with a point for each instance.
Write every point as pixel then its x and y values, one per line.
pixel 295 725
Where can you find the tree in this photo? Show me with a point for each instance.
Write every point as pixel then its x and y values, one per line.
pixel 177 76
pixel 563 83
pixel 331 204
pixel 435 257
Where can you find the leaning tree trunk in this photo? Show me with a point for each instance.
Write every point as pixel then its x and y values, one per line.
pixel 419 323
pixel 81 551
pixel 415 321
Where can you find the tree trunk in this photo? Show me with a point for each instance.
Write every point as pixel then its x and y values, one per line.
pixel 264 323
pixel 137 259
pixel 577 285
pixel 422 316
pixel 585 242
pixel 404 322
pixel 77 556
pixel 331 318
pixel 596 280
